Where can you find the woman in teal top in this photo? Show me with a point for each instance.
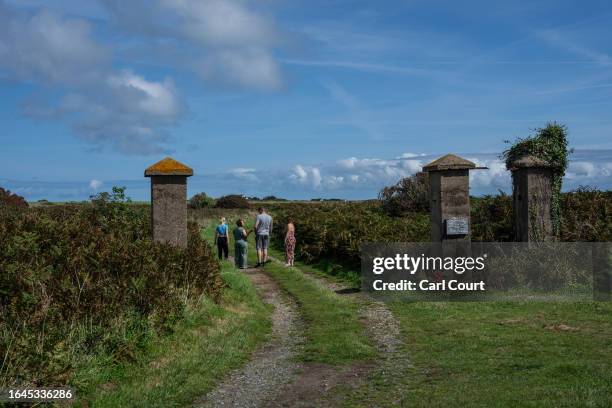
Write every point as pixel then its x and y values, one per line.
pixel 241 245
pixel 222 238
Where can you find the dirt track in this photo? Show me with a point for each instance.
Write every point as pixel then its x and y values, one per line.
pixel 273 377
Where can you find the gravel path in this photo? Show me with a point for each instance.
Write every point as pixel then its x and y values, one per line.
pixel 384 330
pixel 260 380
pixel 273 378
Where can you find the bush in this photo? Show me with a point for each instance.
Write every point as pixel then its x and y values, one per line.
pixel 8 198
pixel 492 218
pixel 201 200
pixel 81 281
pixel 232 201
pixel 587 215
pixel 410 194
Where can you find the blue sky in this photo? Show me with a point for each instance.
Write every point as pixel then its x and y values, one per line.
pixel 294 98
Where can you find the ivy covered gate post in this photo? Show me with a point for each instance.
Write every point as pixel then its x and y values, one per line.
pixel 169 201
pixel 532 196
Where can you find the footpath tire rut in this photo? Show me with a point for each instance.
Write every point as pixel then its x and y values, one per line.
pixel 384 330
pixel 260 380
pixel 272 378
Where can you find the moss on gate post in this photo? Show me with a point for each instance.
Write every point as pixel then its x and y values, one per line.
pixel 549 144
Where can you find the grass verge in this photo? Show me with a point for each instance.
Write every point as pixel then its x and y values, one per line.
pixel 508 354
pixel 212 340
pixel 333 331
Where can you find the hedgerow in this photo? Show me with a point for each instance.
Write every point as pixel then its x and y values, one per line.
pixel 82 281
pixel 337 229
pixel 232 201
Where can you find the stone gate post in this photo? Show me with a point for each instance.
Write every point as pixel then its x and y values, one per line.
pixel 449 198
pixel 169 201
pixel 531 198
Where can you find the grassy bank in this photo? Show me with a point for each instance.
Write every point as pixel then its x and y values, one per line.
pixel 212 340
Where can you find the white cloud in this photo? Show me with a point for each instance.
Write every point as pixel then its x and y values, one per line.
pixel 251 68
pixel 44 47
pixel 496 176
pixel 228 41
pixel 104 107
pixel 95 184
pixel 244 173
pixel 221 22
pixel 151 98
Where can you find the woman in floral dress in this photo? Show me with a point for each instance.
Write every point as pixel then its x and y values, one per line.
pixel 290 244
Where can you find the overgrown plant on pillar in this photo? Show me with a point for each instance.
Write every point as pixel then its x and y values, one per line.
pixel 538 164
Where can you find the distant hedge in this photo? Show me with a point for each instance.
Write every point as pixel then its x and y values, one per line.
pixel 232 201
pixel 82 281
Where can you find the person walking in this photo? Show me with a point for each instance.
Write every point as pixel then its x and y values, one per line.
pixel 222 239
pixel 263 229
pixel 290 244
pixel 241 246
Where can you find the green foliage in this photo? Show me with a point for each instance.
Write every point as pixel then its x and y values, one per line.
pixel 232 201
pixel 410 194
pixel 273 198
pixel 201 200
pixel 337 230
pixel 492 218
pixel 79 281
pixel 587 215
pixel 549 144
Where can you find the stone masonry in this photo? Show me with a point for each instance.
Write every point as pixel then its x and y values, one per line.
pixel 449 198
pixel 169 201
pixel 531 196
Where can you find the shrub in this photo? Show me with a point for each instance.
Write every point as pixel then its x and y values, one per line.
pixel 232 201
pixel 492 218
pixel 587 215
pixel 8 198
pixel 80 281
pixel 201 200
pixel 410 194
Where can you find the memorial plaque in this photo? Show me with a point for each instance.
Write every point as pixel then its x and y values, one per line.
pixel 457 226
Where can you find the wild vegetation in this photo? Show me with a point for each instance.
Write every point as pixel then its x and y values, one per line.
pixel 12 199
pixel 81 284
pixel 201 200
pixel 336 230
pixel 410 194
pixel 232 201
